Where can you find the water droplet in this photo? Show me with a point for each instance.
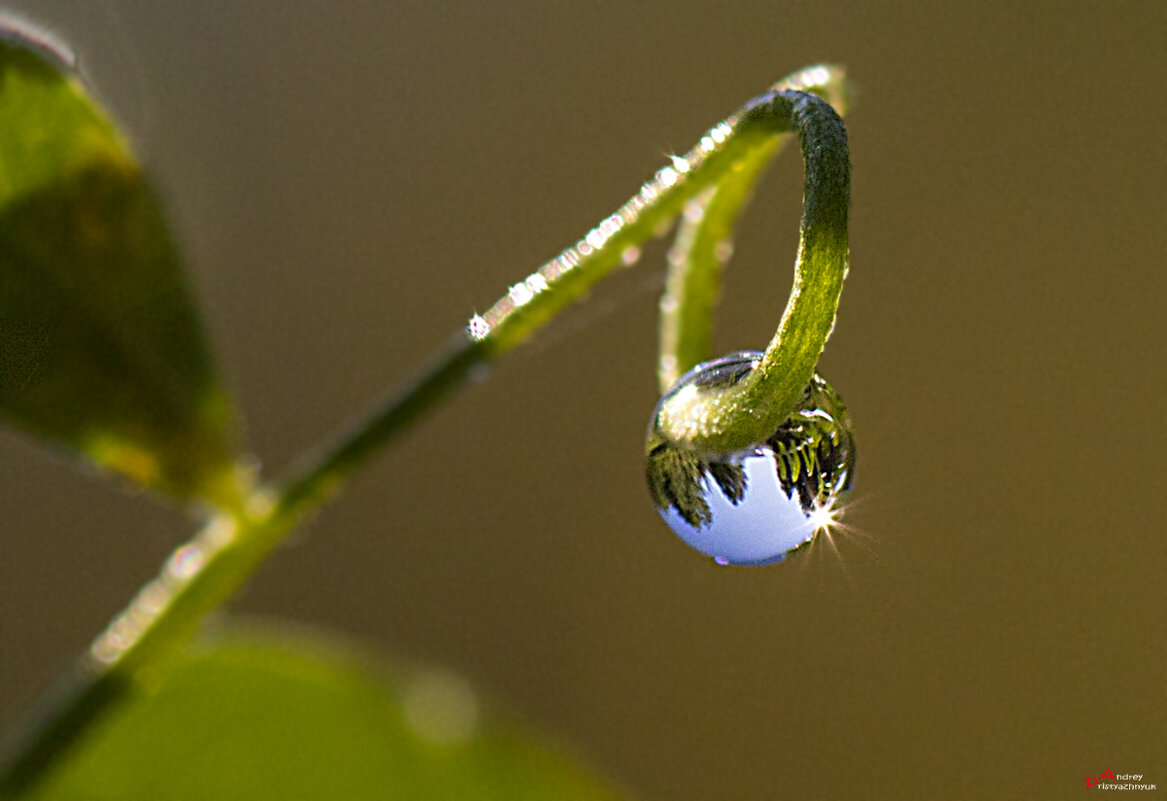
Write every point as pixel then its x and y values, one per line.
pixel 757 505
pixel 478 327
pixel 667 176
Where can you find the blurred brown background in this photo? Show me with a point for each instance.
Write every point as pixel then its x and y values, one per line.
pixel 352 180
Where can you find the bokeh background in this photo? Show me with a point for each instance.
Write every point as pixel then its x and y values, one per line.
pixel 352 180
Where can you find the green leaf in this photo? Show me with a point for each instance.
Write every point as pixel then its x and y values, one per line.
pixel 100 345
pixel 263 716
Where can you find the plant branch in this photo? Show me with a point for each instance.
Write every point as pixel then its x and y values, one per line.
pixel 704 240
pixel 205 572
pixel 726 419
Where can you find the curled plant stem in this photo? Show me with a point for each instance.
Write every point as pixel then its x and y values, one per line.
pixel 205 572
pixel 704 240
pixel 730 155
pixel 732 418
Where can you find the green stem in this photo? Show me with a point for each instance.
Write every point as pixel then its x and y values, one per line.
pixel 704 240
pixel 205 572
pixel 702 246
pixel 726 419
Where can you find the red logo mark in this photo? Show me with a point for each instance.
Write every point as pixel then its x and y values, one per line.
pixel 1093 780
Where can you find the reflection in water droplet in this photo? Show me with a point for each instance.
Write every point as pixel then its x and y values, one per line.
pixel 756 505
pixel 186 561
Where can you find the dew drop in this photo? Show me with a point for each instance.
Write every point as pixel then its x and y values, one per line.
pixel 757 505
pixel 478 328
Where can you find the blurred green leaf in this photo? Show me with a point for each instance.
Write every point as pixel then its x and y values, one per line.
pixel 256 715
pixel 100 344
